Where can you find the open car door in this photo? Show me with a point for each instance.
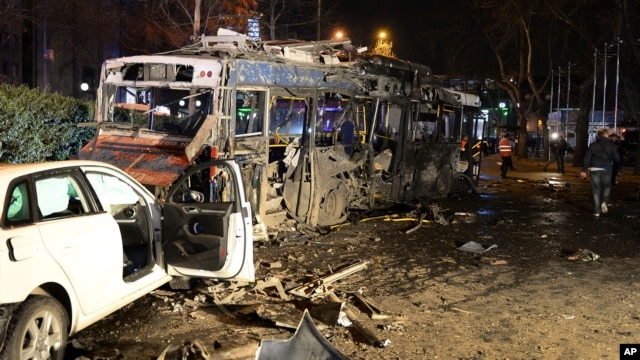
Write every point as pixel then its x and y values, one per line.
pixel 207 224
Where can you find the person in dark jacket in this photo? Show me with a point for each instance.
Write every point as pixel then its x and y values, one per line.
pixel 617 167
pixel 347 135
pixel 599 159
pixel 558 150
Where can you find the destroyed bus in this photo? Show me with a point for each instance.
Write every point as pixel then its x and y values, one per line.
pixel 318 130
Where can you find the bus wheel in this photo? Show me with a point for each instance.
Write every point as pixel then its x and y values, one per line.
pixel 334 203
pixel 464 184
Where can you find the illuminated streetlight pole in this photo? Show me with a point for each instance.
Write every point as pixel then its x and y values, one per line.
pixel 383 46
pixel 615 109
pixel 551 96
pixel 593 104
pixel 319 15
pixel 604 86
pixel 559 88
pixel 566 120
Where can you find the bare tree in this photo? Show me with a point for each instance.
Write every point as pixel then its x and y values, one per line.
pixel 169 24
pixel 518 42
pixel 273 11
pixel 508 30
pixel 13 14
pixel 632 93
pixel 81 25
pixel 299 19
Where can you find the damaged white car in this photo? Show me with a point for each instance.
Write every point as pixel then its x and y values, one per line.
pixel 81 239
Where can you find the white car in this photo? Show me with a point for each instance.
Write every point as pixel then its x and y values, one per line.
pixel 81 239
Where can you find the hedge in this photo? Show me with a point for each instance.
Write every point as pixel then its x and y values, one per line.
pixel 37 126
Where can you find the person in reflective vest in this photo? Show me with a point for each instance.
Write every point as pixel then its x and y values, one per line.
pixel 506 147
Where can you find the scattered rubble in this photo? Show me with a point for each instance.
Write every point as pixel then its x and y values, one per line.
pixel 583 255
pixel 186 351
pixel 320 286
pixel 477 248
pixel 306 343
pixel 315 300
pixel 426 287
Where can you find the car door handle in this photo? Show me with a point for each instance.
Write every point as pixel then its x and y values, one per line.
pixel 21 248
pixel 190 209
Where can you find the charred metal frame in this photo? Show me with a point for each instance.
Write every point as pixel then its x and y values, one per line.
pixel 407 128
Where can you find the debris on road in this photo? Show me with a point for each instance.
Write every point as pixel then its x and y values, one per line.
pixel 369 335
pixel 465 217
pixel 422 216
pixel 583 255
pixel 329 313
pixel 284 315
pixel 272 265
pixel 426 288
pixel 187 350
pixel 373 311
pixel 474 247
pixel 306 343
pixel 319 286
pixel 495 261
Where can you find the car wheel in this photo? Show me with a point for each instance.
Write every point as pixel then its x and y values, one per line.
pixel 180 283
pixel 38 330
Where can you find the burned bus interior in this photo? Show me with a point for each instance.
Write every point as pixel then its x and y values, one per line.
pixel 318 136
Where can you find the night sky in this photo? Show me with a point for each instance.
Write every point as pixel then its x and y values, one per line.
pixel 406 22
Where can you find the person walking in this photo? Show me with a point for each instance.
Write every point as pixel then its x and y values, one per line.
pixel 506 148
pixel 617 166
pixel 558 149
pixel 599 159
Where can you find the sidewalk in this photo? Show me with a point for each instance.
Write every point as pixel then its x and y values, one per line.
pixel 532 170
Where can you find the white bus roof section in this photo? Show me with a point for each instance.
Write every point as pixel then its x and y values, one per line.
pixel 206 69
pixel 461 98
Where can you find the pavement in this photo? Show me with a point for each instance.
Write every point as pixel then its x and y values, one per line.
pixel 532 169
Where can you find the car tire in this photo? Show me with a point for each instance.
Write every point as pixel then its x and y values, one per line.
pixel 38 330
pixel 180 283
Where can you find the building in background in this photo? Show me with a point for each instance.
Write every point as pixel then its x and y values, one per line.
pixel 52 55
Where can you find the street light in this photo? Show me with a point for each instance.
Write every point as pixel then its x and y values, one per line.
pixel 383 46
pixel 88 89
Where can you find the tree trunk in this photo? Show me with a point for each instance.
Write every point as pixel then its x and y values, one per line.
pixel 196 19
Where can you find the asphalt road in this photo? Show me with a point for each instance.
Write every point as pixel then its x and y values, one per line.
pixel 521 299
